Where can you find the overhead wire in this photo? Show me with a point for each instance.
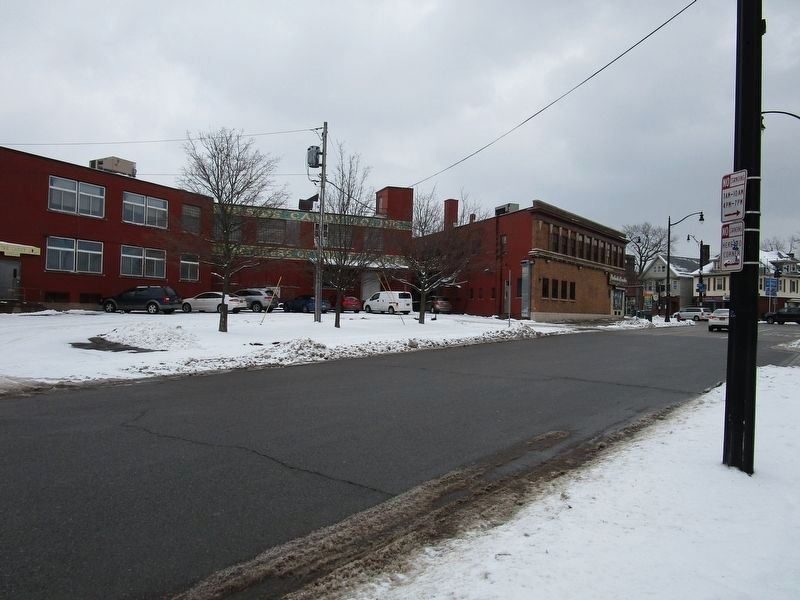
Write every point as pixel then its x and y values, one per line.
pixel 561 97
pixel 161 141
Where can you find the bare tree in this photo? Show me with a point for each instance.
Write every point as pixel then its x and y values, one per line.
pixel 225 165
pixel 468 207
pixel 647 242
pixel 780 244
pixel 436 255
pixel 349 246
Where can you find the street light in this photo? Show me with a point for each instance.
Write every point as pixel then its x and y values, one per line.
pixel 700 287
pixel 669 233
pixel 775 112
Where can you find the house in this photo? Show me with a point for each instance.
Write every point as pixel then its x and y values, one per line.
pixel 71 235
pixel 773 292
pixel 654 283
pixel 540 262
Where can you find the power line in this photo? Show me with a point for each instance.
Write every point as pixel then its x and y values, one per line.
pixel 561 97
pixel 164 141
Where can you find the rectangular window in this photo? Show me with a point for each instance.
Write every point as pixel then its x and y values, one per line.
pixel 554 239
pixel 191 218
pixel 503 244
pixel 324 234
pixel 60 254
pixel 519 287
pixel 89 257
pixel 75 256
pixel 494 292
pixel 564 242
pixel 373 239
pixel 155 263
pixel 563 290
pixel 67 195
pixel 271 231
pixel 340 235
pixel 131 261
pixel 554 289
pixel 144 210
pixel 572 290
pixel 545 287
pixel 292 233
pixel 190 267
pixel 579 252
pixel 572 245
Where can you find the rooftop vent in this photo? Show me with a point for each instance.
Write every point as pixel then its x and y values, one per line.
pixel 505 209
pixel 112 164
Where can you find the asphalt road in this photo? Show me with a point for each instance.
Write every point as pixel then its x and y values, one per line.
pixel 140 490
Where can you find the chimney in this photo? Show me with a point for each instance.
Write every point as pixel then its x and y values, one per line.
pixel 450 212
pixel 472 217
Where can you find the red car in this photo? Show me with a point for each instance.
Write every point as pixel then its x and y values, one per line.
pixel 349 303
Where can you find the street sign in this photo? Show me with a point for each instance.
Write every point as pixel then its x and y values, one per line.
pixel 701 287
pixel 734 189
pixel 732 246
pixel 771 287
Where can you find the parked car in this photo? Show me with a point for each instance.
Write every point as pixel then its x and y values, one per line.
pixel 349 303
pixel 389 302
pixel 305 303
pixel 439 304
pixel 790 314
pixel 151 298
pixel 718 319
pixel 259 299
pixel 212 301
pixel 695 313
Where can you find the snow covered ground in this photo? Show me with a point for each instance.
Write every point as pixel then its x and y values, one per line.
pixel 657 517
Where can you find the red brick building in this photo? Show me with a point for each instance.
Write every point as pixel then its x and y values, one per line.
pixel 542 263
pixel 71 234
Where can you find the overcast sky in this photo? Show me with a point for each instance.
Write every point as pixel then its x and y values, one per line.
pixel 415 86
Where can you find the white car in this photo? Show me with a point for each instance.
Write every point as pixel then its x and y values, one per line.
pixel 694 313
pixel 718 319
pixel 212 302
pixel 389 302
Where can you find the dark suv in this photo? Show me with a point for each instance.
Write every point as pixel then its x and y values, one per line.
pixel 789 314
pixel 152 298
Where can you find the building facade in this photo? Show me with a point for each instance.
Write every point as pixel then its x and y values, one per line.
pixel 654 284
pixel 71 235
pixel 541 263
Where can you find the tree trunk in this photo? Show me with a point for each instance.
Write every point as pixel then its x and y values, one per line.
pixel 223 314
pixel 338 308
pixel 422 298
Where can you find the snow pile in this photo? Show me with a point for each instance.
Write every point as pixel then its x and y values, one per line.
pixel 152 336
pixel 658 517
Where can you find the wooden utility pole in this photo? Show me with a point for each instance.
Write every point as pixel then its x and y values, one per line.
pixel 740 394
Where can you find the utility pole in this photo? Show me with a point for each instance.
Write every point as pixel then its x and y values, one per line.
pixel 321 230
pixel 740 394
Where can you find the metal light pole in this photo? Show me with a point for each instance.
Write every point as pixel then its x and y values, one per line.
pixel 669 233
pixel 703 260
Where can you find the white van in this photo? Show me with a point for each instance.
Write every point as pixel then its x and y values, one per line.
pixel 389 302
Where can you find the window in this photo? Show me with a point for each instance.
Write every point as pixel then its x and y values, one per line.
pixel 519 287
pixel 373 239
pixel 480 293
pixel 76 256
pixel 144 210
pixel 545 287
pixel 554 240
pixel 60 254
pixel 554 289
pixel 339 235
pixel 190 267
pixel 579 253
pixel 503 244
pixel 67 195
pixel 143 262
pixel 324 234
pixel 563 290
pixel 190 218
pixel 564 242
pixel 271 231
pixel 572 290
